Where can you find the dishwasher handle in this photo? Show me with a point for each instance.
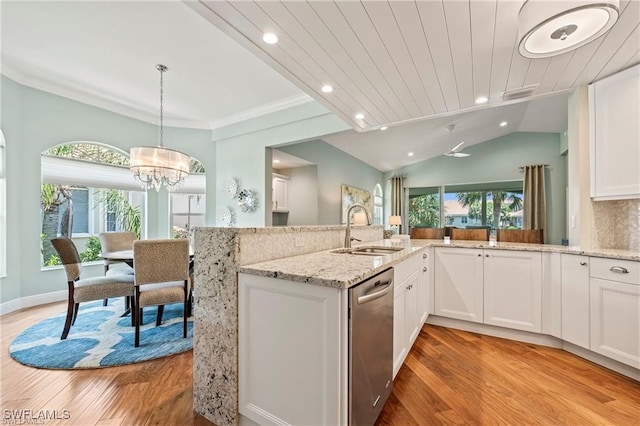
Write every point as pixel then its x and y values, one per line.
pixel 378 294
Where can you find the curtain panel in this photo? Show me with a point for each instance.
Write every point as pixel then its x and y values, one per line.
pixel 535 198
pixel 397 198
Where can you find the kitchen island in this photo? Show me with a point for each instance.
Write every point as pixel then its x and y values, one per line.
pixel 299 259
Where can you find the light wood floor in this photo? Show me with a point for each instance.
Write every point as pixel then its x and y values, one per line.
pixel 449 377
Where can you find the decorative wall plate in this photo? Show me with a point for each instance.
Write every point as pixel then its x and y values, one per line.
pixel 231 187
pixel 247 201
pixel 225 217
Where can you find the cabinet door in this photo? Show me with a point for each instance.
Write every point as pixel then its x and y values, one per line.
pixel 280 193
pixel 458 283
pixel 615 320
pixel 424 298
pixel 615 136
pixel 575 299
pixel 411 313
pixel 513 289
pixel 399 340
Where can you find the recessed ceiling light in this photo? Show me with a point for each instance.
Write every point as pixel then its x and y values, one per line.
pixel 276 161
pixel 384 128
pixel 327 88
pixel 359 116
pixel 504 123
pixel 410 154
pixel 482 100
pixel 270 38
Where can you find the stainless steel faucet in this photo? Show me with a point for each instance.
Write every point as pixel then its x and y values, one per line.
pixel 347 237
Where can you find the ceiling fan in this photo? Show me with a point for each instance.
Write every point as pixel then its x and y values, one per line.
pixel 455 151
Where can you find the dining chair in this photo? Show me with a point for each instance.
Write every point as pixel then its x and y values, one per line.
pixel 470 234
pixel 116 241
pixel 521 235
pixel 427 233
pixel 86 289
pixel 161 277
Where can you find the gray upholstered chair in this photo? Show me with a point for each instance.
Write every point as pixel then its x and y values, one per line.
pixel 116 241
pixel 161 277
pixel 87 289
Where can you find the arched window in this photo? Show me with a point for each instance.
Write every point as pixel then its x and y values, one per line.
pixel 377 205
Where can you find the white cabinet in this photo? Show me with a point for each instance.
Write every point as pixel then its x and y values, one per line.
pixel 280 197
pixel 458 289
pixel 615 310
pixel 424 287
pixel 406 316
pixel 575 299
pixel 614 135
pixel 552 294
pixel 513 289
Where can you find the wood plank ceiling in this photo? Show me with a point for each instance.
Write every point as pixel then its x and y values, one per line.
pixel 400 61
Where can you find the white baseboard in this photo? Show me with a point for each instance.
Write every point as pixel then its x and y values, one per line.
pixel 29 301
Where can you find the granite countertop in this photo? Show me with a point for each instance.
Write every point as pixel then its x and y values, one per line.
pixel 342 271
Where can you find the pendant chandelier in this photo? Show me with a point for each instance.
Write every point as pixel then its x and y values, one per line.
pixel 155 166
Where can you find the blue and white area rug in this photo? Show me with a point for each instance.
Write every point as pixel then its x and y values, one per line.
pixel 101 338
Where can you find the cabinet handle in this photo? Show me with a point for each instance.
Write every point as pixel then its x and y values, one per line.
pixel 479 255
pixel 424 269
pixel 486 255
pixel 619 270
pixel 583 263
pixel 424 255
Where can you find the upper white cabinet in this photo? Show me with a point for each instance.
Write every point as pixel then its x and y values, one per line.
pixel 614 135
pixel 280 197
pixel 458 283
pixel 513 289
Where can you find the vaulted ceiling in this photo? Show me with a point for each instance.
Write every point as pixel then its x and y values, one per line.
pixel 412 65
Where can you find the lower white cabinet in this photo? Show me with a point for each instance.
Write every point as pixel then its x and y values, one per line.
pixel 575 299
pixel 459 283
pixel 406 311
pixel 513 289
pixel 615 310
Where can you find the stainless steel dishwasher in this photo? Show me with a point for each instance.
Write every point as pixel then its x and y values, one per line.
pixel 370 347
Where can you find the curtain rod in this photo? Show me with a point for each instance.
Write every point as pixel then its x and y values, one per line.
pixel 546 166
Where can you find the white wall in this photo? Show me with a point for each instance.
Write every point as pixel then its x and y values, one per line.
pixel 499 160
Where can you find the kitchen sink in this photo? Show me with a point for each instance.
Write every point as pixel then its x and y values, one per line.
pixel 368 250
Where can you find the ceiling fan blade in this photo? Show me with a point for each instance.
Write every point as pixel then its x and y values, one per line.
pixel 457 146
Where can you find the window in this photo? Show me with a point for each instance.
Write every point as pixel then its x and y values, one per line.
pixel 424 207
pixel 496 205
pixel 187 212
pixel 378 213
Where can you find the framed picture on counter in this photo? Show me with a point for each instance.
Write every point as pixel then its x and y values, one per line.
pixel 352 195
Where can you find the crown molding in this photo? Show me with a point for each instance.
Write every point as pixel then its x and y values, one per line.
pixel 272 107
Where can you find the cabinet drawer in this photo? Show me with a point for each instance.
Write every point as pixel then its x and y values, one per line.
pixel 624 271
pixel 402 270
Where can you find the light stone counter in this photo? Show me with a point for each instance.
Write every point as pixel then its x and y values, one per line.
pixel 344 270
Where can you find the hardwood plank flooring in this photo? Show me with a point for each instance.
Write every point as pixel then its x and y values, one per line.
pixel 449 377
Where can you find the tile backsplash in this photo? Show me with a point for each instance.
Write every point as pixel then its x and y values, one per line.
pixel 616 224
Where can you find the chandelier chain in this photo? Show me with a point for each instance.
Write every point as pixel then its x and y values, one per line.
pixel 162 69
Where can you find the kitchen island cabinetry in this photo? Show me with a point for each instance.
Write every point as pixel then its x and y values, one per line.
pixel 406 315
pixel 615 310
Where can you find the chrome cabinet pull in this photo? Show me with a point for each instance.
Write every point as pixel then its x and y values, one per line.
pixel 486 255
pixel 583 263
pixel 424 269
pixel 619 270
pixel 424 255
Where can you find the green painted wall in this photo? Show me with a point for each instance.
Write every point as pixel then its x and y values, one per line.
pixel 334 168
pixel 499 160
pixel 32 121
